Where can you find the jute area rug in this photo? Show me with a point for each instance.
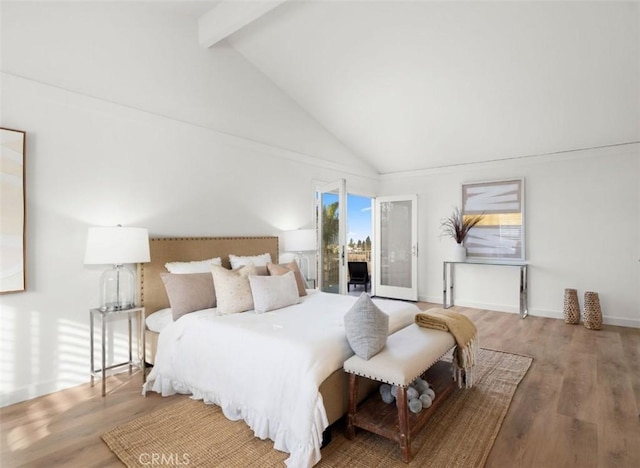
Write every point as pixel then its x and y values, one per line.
pixel 460 433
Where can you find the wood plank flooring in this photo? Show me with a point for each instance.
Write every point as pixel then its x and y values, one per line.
pixel 578 406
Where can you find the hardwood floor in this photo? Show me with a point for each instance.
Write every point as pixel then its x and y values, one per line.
pixel 578 406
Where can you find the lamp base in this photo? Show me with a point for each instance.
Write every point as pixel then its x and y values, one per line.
pixel 117 307
pixel 117 287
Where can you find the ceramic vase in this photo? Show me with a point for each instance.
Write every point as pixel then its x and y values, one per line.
pixel 459 253
pixel 571 307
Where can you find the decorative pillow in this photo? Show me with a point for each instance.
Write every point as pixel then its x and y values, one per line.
pixel 260 270
pixel 189 292
pixel 283 268
pixel 259 261
pixel 367 327
pixel 233 292
pixel 273 292
pixel 201 266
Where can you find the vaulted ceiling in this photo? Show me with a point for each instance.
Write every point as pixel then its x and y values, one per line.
pixel 409 85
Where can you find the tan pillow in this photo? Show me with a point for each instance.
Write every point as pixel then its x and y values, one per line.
pixel 261 270
pixel 233 292
pixel 281 269
pixel 189 292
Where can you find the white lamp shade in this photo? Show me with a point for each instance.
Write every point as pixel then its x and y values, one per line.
pixel 117 246
pixel 300 240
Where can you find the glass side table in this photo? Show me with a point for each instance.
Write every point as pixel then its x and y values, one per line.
pixel 448 269
pixel 106 317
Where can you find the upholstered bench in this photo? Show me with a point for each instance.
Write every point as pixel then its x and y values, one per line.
pixel 408 354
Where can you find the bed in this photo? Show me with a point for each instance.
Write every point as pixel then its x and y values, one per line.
pixel 151 291
pixel 201 348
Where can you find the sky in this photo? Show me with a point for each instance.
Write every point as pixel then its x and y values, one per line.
pixel 358 218
pixel 359 224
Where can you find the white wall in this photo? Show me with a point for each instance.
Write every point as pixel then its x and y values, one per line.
pixel 118 136
pixel 582 231
pixel 146 55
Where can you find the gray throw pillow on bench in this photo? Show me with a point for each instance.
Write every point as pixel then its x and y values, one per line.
pixel 367 327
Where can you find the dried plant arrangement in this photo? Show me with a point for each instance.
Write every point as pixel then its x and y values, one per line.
pixel 457 226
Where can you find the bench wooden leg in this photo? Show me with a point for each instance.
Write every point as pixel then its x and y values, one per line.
pixel 353 401
pixel 403 424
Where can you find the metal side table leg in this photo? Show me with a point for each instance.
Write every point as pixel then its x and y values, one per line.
pixel 447 284
pixel 130 340
pixel 143 340
pixel 103 372
pixel 524 293
pixel 93 369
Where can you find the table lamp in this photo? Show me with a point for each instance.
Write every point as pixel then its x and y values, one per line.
pixel 299 241
pixel 117 246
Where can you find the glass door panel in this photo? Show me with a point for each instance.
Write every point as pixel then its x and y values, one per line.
pixel 331 216
pixel 397 249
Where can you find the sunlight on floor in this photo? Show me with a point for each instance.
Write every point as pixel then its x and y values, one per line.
pixel 22 437
pixel 63 362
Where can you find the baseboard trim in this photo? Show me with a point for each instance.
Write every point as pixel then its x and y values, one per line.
pixel 33 391
pixel 29 392
pixel 556 314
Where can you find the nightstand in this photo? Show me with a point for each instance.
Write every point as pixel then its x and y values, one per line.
pixel 107 317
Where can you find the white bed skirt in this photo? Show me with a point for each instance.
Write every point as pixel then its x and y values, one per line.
pixel 265 369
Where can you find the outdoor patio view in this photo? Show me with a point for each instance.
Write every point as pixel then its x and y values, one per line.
pixel 359 231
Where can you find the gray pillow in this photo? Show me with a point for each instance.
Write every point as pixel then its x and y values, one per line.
pixel 189 292
pixel 367 327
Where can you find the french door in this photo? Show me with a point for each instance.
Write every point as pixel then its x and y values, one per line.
pixel 331 206
pixel 396 247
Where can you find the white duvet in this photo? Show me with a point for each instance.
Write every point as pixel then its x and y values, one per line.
pixel 265 368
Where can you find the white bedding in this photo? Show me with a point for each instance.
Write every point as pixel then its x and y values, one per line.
pixel 265 368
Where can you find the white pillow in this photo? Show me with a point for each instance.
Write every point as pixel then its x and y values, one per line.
pixel 274 292
pixel 201 266
pixel 162 318
pixel 159 319
pixel 257 260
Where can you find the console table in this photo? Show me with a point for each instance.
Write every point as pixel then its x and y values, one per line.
pixel 448 269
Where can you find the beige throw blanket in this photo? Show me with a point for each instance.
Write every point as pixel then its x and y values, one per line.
pixel 464 332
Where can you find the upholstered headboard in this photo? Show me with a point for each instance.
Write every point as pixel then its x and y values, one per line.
pixel 151 292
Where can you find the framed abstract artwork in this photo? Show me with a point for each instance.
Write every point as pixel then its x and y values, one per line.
pixel 12 210
pixel 500 235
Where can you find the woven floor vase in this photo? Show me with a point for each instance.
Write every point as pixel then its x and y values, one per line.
pixel 592 313
pixel 571 306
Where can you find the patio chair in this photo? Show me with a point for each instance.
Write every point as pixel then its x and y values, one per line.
pixel 358 274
